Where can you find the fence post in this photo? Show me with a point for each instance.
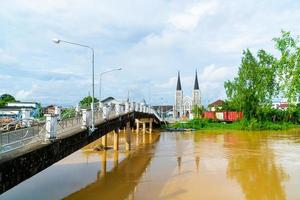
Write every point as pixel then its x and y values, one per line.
pixel 51 126
pixel 57 111
pixel 86 118
pixel 126 107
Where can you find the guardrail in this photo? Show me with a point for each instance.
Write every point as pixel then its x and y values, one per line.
pixel 18 138
pixel 13 140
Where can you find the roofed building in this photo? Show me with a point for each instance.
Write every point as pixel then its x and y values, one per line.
pixel 184 104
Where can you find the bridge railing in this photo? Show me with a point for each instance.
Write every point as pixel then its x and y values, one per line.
pixel 18 138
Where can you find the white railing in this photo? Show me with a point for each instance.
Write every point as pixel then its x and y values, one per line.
pixel 12 140
pixel 18 138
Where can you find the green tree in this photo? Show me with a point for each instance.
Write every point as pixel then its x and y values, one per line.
pixel 6 98
pixel 87 101
pixel 288 65
pixel 198 111
pixel 255 85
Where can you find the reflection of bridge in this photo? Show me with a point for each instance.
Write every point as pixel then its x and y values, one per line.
pixel 122 179
pixel 21 163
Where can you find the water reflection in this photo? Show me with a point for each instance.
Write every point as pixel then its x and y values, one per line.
pixel 120 182
pixel 251 162
pixel 196 165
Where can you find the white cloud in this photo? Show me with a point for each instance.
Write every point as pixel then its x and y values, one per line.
pixel 212 73
pixel 151 40
pixel 189 19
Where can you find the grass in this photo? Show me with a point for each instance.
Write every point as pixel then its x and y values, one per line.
pixel 207 124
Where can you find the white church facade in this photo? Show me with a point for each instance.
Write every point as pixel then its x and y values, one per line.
pixel 184 104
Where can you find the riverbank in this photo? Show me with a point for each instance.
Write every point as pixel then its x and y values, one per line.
pixel 207 124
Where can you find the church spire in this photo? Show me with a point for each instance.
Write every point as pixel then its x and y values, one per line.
pixel 178 82
pixel 196 85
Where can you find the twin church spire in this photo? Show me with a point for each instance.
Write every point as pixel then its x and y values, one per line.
pixel 196 84
pixel 184 104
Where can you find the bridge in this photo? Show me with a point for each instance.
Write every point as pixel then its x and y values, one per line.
pixel 26 152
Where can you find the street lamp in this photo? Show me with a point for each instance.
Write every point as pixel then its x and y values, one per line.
pixel 57 41
pixel 100 79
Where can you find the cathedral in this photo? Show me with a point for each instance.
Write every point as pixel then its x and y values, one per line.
pixel 184 104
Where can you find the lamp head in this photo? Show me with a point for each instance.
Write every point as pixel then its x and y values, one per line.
pixel 55 40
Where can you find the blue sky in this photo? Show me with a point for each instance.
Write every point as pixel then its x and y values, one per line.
pixel 150 40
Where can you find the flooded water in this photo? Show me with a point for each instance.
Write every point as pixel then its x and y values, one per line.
pixel 191 165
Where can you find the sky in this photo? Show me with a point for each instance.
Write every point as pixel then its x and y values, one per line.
pixel 149 40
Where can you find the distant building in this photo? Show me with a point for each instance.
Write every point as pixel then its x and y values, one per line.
pixel 13 110
pixel 184 104
pixel 217 105
pixel 164 110
pixel 109 101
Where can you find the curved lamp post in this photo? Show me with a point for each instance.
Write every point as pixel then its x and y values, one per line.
pixel 55 40
pixel 100 79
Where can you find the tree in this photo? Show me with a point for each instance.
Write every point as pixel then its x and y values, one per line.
pixel 197 111
pixel 255 85
pixel 87 101
pixel 6 98
pixel 288 65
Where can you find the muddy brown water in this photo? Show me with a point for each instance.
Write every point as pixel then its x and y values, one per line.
pixel 191 165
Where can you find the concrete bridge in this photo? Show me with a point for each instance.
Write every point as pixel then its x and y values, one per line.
pixel 26 152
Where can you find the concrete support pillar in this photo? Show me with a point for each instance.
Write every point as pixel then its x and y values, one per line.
pixel 150 138
pixel 128 136
pixel 137 139
pixel 116 139
pixel 116 159
pixel 103 163
pixel 144 138
pixel 51 126
pixel 104 140
pixel 150 125
pixel 137 125
pixel 144 127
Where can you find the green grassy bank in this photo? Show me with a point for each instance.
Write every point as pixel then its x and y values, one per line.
pixel 207 124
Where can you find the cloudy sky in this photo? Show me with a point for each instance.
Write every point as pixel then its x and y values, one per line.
pixel 150 40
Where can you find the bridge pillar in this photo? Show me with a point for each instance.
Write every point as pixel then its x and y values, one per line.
pixel 137 125
pixel 144 127
pixel 137 139
pixel 103 163
pixel 104 140
pixel 150 125
pixel 128 136
pixel 51 126
pixel 116 139
pixel 116 159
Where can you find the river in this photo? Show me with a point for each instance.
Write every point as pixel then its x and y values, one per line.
pixel 170 165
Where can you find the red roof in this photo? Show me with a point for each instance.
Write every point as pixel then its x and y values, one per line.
pixel 217 103
pixel 283 105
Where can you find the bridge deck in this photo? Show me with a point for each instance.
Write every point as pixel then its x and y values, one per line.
pixel 22 163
